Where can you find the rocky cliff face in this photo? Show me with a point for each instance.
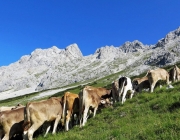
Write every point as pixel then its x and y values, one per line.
pixel 54 67
pixel 133 46
pixel 167 49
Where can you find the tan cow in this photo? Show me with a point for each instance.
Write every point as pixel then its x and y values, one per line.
pixel 140 83
pixel 115 92
pixel 90 97
pixel 37 113
pixel 156 75
pixel 4 108
pixel 70 107
pixel 102 92
pixel 177 78
pixel 172 74
pixel 11 122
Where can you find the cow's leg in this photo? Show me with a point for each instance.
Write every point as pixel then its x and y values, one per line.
pixel 85 115
pixel 32 129
pixel 67 120
pixel 6 132
pixel 124 95
pixel 80 118
pixel 56 123
pixel 132 94
pixel 95 109
pixel 153 85
pixel 167 80
pixel 174 78
pixel 119 96
pixel 47 130
pixel 76 116
pixel 6 136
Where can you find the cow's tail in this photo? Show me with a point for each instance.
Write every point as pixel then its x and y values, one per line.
pixel 27 120
pixel 64 109
pixel 81 103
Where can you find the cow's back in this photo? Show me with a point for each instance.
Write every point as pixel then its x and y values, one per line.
pixel 158 74
pixel 99 90
pixel 46 109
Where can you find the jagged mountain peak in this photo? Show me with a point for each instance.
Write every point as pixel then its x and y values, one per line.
pixel 54 67
pixel 74 50
pixel 172 36
pixel 109 52
pixel 132 46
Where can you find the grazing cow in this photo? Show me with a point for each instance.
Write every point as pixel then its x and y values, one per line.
pixel 4 108
pixel 115 88
pixel 90 97
pixel 70 107
pixel 156 75
pixel 177 73
pixel 37 113
pixel 125 85
pixel 102 92
pixel 140 83
pixel 11 122
pixel 172 74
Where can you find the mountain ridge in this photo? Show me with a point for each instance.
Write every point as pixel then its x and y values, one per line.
pixel 54 67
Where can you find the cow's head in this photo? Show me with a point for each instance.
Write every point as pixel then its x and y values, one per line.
pixel 106 102
pixel 135 85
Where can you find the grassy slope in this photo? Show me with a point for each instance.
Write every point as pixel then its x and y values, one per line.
pixel 147 116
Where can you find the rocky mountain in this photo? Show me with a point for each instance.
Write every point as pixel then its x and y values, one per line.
pixel 54 67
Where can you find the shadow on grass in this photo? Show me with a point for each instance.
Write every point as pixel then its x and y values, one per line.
pixel 174 106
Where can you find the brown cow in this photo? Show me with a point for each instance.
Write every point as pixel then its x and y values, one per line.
pixel 11 122
pixel 156 75
pixel 90 97
pixel 70 107
pixel 140 83
pixel 4 108
pixel 37 113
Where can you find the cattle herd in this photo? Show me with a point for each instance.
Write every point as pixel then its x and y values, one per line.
pixel 75 108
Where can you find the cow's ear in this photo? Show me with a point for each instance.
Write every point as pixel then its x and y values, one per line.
pixel 103 102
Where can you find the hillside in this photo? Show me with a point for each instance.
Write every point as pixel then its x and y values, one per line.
pixel 147 116
pixel 51 68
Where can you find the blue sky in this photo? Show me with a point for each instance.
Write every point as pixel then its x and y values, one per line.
pixel 29 24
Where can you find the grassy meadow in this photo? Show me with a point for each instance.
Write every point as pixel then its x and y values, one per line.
pixel 147 116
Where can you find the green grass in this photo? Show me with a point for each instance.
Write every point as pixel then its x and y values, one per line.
pixel 147 116
pixel 20 99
